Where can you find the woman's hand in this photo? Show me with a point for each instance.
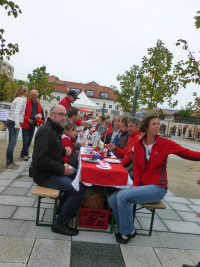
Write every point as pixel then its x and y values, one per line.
pixel 111 146
pixel 68 151
pixel 83 143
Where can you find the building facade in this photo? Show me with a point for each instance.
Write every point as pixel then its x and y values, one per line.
pixel 6 68
pixel 100 95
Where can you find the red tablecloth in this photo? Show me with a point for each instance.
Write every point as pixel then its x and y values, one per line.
pixel 103 173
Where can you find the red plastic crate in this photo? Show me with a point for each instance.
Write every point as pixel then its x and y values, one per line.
pixel 93 218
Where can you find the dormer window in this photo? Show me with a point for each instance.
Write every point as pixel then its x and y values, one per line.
pixel 89 93
pixel 104 95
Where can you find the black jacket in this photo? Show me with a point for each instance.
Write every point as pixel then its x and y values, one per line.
pixel 47 152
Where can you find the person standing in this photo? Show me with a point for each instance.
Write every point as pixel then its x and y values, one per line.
pixel 50 171
pixel 33 110
pixel 15 117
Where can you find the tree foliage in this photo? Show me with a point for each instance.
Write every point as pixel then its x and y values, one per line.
pixel 12 10
pixel 197 20
pixel 39 80
pixel 159 80
pixel 7 88
pixel 185 112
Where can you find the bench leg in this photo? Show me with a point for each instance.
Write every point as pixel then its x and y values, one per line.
pixel 134 211
pixel 152 220
pixel 38 211
pixel 54 210
pixel 112 223
pixel 77 219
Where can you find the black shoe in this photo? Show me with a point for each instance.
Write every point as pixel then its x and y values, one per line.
pixel 185 265
pixel 118 235
pixel 125 241
pixel 64 230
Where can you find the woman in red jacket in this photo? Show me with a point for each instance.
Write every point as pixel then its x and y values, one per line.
pixel 150 175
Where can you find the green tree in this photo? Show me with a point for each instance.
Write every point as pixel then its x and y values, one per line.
pixel 197 20
pixel 159 80
pixel 13 10
pixel 185 112
pixel 7 88
pixel 39 80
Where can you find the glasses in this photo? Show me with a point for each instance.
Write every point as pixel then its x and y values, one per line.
pixel 61 114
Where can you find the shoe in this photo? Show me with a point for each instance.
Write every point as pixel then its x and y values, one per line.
pixel 25 158
pixel 16 164
pixel 118 235
pixel 185 265
pixel 64 230
pixel 12 166
pixel 125 241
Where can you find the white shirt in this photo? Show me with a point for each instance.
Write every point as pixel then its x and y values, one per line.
pixel 17 110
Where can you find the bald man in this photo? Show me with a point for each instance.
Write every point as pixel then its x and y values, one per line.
pixel 49 170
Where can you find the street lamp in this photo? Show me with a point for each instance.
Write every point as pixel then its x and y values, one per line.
pixel 104 105
pixel 137 84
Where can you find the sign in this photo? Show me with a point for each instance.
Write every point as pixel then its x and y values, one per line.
pixel 3 119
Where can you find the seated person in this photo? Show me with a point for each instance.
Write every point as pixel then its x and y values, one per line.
pixel 123 133
pixel 48 169
pixel 115 136
pixel 69 140
pixel 106 137
pixel 125 153
pixel 99 126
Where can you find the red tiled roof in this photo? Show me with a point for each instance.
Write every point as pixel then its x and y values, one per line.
pixel 60 85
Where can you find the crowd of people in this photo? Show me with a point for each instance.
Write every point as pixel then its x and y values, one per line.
pixel 142 151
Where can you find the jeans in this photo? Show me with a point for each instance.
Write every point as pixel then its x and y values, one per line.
pixel 70 199
pixel 121 201
pixel 27 136
pixel 13 134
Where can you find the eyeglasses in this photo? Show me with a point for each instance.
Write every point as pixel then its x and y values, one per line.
pixel 61 114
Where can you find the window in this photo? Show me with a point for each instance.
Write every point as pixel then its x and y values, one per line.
pixel 110 106
pixel 89 93
pixel 76 90
pixel 51 97
pixel 58 98
pixel 104 95
pixel 115 112
pixel 116 107
pixel 97 104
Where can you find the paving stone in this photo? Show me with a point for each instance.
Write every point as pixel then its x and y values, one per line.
pixel 4 182
pixel 172 257
pixel 15 249
pixel 168 215
pixel 27 213
pixel 8 175
pixel 29 194
pixel 139 256
pixel 195 208
pixel 48 215
pixel 17 200
pixel 2 188
pixel 180 207
pixel 47 203
pixel 195 201
pixel 21 184
pixel 188 216
pixel 7 264
pixel 50 253
pixel 91 236
pixel 194 256
pixel 168 207
pixel 24 178
pixel 15 191
pixel 182 227
pixel 10 227
pixel 157 225
pixel 169 193
pixel 91 254
pixel 175 199
pixel 44 232
pixel 6 212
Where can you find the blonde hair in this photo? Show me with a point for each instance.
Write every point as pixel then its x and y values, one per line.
pixel 20 91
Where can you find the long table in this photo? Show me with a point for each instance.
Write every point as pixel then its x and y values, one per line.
pixel 102 173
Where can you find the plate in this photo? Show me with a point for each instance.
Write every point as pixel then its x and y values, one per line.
pixel 112 160
pixel 92 160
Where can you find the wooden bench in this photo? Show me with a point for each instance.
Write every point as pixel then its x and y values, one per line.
pixel 150 207
pixel 43 192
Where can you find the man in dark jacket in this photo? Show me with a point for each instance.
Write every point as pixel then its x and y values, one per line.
pixel 49 171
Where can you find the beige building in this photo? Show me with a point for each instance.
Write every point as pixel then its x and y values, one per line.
pixel 6 68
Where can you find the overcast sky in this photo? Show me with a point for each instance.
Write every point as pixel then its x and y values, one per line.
pixel 95 40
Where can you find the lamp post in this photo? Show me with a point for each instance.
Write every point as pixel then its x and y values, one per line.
pixel 137 84
pixel 103 106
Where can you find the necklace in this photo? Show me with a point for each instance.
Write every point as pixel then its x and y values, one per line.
pixel 149 148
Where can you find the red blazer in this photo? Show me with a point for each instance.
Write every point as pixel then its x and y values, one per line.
pixel 155 170
pixel 67 141
pixel 126 152
pixel 28 112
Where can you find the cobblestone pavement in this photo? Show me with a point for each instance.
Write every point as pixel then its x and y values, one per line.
pixel 174 241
